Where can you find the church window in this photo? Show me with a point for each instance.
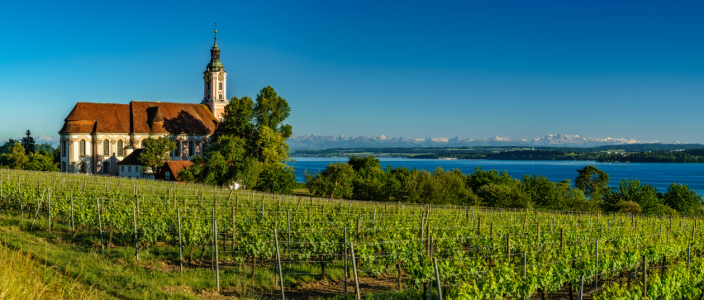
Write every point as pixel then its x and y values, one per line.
pixel 122 168
pixel 106 167
pixel 82 167
pixel 191 148
pixel 106 148
pixel 120 151
pixel 63 166
pixel 63 148
pixel 177 151
pixel 82 148
pixel 220 96
pixel 220 85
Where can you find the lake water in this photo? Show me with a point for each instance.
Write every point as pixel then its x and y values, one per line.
pixel 659 175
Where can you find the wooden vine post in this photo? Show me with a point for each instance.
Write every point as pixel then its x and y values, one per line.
pixel 356 277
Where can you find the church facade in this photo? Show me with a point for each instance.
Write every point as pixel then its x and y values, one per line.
pixel 96 136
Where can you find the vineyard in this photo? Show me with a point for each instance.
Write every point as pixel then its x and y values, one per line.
pixel 292 247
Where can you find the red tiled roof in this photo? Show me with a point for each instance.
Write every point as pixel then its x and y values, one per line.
pixel 107 117
pixel 177 165
pixel 140 117
pixel 179 118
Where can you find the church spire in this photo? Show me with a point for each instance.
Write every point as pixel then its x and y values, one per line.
pixel 216 36
pixel 215 64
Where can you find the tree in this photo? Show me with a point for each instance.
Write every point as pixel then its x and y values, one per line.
pixel 156 153
pixel 682 198
pixel 7 147
pixel 591 181
pixel 271 110
pixel 277 179
pixel 543 192
pixel 480 178
pixel 504 196
pixel 15 158
pixel 633 190
pixel 335 181
pixel 239 118
pixel 250 147
pixel 39 162
pixel 28 143
pixel 364 162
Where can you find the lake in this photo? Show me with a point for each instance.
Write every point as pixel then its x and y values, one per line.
pixel 659 175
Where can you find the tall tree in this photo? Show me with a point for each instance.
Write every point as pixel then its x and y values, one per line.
pixel 239 118
pixel 156 153
pixel 271 110
pixel 28 143
pixel 591 181
pixel 250 147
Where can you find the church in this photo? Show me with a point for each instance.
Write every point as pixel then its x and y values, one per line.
pixel 95 137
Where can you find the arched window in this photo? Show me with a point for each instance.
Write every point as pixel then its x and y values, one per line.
pixel 63 148
pixel 106 167
pixel 220 85
pixel 82 148
pixel 177 151
pixel 220 96
pixel 106 148
pixel 63 166
pixel 119 148
pixel 191 148
pixel 82 167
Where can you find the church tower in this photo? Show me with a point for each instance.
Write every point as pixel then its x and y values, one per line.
pixel 215 85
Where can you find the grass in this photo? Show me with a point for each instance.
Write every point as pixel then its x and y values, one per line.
pixel 21 277
pixel 115 272
pixel 302 192
pixel 78 269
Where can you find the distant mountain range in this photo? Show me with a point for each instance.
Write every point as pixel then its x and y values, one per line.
pixel 308 142
pixel 42 139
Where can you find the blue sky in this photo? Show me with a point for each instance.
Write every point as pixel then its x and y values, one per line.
pixel 521 69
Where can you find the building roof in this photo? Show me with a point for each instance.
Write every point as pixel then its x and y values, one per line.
pixel 140 117
pixel 177 165
pixel 132 159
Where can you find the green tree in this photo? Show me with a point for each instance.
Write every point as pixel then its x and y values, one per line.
pixel 633 190
pixel 682 198
pixel 501 195
pixel 591 181
pixel 39 162
pixel 226 161
pixel 480 178
pixel 359 163
pixel 239 118
pixel 542 192
pixel 15 158
pixel 271 110
pixel 28 143
pixel 276 178
pixel 7 146
pixel 156 153
pixel 335 181
pixel 250 144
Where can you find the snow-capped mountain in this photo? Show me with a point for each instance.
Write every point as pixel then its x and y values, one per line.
pixel 41 139
pixel 314 141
